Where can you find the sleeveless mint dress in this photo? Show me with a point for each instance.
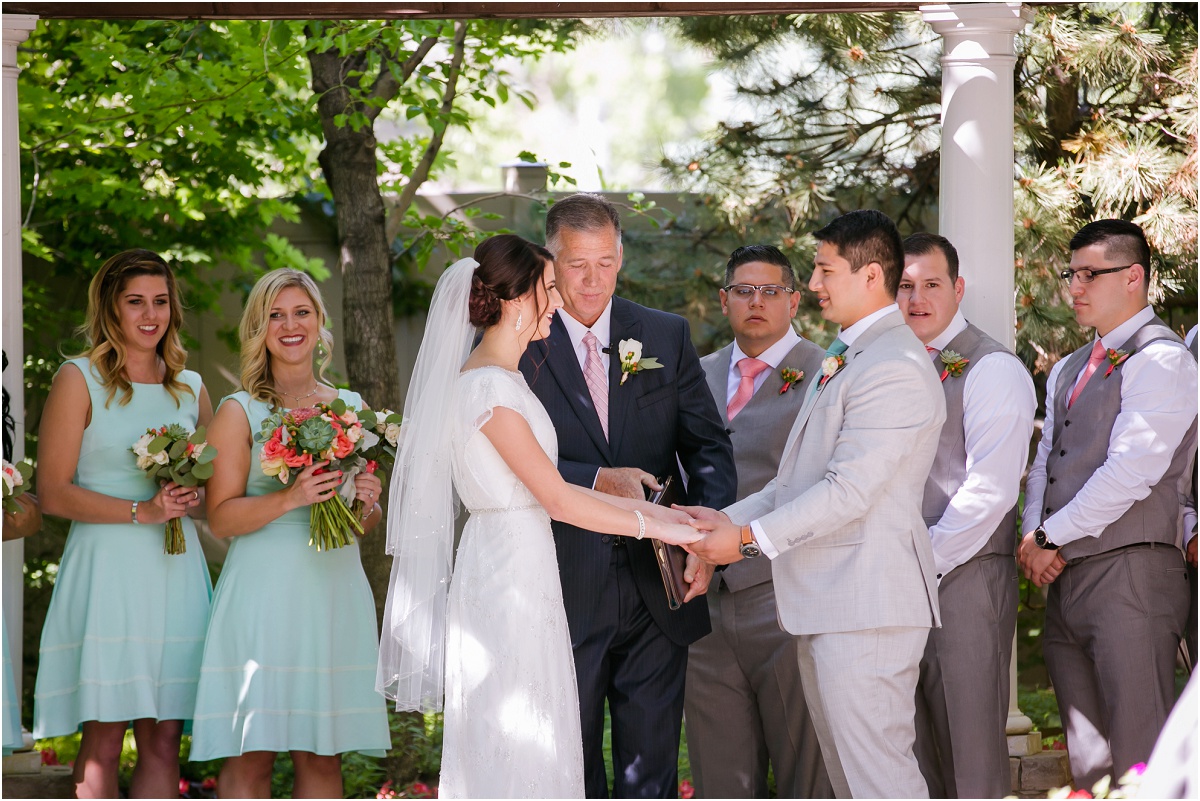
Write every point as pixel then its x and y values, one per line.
pixel 12 708
pixel 289 662
pixel 125 628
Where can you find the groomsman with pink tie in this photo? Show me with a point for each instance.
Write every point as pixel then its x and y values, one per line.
pixel 970 506
pixel 744 707
pixel 1102 508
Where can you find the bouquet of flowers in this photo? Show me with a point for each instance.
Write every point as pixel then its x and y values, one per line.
pixel 16 479
pixel 330 432
pixel 172 453
pixel 381 435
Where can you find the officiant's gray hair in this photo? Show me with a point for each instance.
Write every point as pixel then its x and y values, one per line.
pixel 584 211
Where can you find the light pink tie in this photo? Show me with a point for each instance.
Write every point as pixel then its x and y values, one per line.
pixel 749 368
pixel 1098 355
pixel 597 383
pixel 933 353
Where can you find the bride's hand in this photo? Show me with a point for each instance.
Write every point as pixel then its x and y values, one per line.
pixel 672 533
pixel 665 514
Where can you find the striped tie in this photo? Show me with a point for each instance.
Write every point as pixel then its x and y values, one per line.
pixel 597 382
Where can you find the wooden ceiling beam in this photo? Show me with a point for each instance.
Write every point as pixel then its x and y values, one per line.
pixel 435 10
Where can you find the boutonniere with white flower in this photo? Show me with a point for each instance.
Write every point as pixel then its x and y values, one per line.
pixel 790 377
pixel 954 363
pixel 1115 359
pixel 632 362
pixel 829 368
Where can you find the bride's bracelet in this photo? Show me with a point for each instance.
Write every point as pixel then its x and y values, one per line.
pixel 641 524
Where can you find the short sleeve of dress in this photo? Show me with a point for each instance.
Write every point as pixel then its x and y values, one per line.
pixel 484 389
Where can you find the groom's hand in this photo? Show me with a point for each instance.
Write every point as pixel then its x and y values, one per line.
pixel 625 482
pixel 722 545
pixel 702 513
pixel 697 574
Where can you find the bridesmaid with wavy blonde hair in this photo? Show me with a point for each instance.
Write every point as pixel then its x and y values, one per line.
pixel 289 663
pixel 125 628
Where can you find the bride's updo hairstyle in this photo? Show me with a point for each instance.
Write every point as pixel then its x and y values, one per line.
pixel 509 268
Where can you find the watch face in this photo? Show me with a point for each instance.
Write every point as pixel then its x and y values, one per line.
pixel 750 550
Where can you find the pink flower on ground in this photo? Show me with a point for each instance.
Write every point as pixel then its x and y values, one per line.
pixel 686 790
pixel 386 790
pixel 1138 769
pixel 50 757
pixel 184 786
pixel 421 790
pixel 1079 794
pixel 209 784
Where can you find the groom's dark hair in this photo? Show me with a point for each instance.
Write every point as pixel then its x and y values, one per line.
pixel 866 236
pixel 581 212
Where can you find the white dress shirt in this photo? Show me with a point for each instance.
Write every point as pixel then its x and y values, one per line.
pixel 847 336
pixel 602 328
pixel 772 356
pixel 1158 405
pixel 999 404
pixel 1189 506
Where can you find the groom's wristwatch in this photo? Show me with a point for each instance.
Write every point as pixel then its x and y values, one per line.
pixel 749 548
pixel 1042 541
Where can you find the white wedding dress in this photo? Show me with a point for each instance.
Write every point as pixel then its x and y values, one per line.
pixel 512 710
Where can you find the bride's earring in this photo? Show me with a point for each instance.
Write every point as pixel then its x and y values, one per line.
pixel 520 319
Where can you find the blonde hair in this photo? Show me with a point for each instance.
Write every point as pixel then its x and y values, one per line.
pixel 106 351
pixel 256 374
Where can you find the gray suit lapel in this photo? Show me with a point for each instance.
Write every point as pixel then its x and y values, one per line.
pixel 718 381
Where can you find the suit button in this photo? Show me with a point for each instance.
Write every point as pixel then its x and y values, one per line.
pixel 1047 510
pixel 1062 453
pixel 939 575
pixel 606 539
pixel 1050 480
pixel 1066 422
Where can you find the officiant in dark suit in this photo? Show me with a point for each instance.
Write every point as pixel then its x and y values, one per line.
pixel 623 419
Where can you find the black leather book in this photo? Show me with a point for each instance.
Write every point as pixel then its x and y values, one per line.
pixel 671 558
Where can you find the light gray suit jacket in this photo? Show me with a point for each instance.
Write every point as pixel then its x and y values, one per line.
pixel 845 508
pixel 758 434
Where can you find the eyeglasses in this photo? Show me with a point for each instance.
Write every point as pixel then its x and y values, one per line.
pixel 769 291
pixel 1088 276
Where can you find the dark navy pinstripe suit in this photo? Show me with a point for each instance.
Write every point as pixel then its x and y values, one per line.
pixel 629 646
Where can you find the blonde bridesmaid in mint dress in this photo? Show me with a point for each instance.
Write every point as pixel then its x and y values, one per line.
pixel 125 628
pixel 289 663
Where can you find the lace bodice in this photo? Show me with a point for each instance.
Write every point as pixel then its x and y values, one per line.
pixel 481 477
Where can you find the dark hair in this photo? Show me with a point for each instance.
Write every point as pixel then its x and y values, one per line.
pixel 922 244
pixel 866 236
pixel 768 254
pixel 1122 241
pixel 581 212
pixel 509 268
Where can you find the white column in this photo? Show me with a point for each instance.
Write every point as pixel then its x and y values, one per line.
pixel 976 199
pixel 16 30
pixel 975 205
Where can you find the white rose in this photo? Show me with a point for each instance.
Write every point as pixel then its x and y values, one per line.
pixel 830 366
pixel 199 449
pixel 392 433
pixel 144 462
pixel 354 433
pixel 10 480
pixel 630 350
pixel 142 446
pixel 162 457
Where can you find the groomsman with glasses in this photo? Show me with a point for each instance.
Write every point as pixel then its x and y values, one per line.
pixel 744 707
pixel 970 506
pixel 1102 508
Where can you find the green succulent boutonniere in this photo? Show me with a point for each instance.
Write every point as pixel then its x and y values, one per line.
pixel 954 363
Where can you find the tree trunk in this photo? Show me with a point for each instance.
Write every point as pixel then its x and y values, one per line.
pixel 349 164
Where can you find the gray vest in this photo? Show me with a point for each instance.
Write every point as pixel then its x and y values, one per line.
pixel 949 469
pixel 759 432
pixel 1080 446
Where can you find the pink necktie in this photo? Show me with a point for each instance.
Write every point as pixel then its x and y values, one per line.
pixel 933 353
pixel 1098 355
pixel 749 368
pixel 597 383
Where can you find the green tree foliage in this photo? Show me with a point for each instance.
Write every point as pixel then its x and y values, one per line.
pixel 841 111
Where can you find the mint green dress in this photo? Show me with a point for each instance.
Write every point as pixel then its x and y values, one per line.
pixel 125 628
pixel 289 663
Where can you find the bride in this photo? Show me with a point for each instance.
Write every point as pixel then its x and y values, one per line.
pixel 500 632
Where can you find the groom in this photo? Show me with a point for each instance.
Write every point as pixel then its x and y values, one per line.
pixel 841 521
pixel 617 432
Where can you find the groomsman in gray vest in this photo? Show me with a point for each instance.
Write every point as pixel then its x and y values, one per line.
pixel 1102 508
pixel 744 705
pixel 970 506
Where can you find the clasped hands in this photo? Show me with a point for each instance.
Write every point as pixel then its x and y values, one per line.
pixel 1041 566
